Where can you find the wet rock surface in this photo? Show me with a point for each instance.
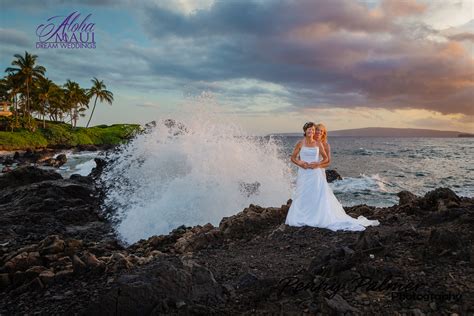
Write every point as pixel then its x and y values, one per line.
pixel 59 255
pixel 332 175
pixel 26 175
pixel 53 157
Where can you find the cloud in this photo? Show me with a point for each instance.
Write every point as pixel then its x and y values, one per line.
pixel 462 37
pixel 462 123
pixel 13 37
pixel 148 105
pixel 327 54
pixel 54 3
pixel 402 8
pixel 321 54
pixel 257 18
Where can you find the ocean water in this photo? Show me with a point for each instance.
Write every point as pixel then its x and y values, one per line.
pixel 77 162
pixel 210 169
pixel 375 169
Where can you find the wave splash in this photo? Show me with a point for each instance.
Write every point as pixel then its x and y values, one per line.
pixel 372 189
pixel 194 169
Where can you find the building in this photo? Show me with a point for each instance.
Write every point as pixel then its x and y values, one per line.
pixel 4 111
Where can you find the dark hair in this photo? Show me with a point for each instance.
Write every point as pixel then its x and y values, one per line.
pixel 308 125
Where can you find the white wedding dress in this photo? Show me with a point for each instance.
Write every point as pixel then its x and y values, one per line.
pixel 314 203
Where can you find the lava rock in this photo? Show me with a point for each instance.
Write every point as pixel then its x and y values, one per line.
pixel 332 175
pixel 197 238
pixel 337 306
pixel 406 197
pixel 98 169
pixel 87 148
pixel 160 287
pixel 440 199
pixel 27 175
pixel 252 220
pixel 61 159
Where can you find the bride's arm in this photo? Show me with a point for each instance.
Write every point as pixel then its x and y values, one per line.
pixel 294 157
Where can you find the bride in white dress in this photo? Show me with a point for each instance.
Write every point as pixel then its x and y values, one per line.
pixel 314 203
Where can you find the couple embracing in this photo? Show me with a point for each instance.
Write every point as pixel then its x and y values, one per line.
pixel 314 203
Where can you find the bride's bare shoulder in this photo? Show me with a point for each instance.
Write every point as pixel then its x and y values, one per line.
pixel 299 143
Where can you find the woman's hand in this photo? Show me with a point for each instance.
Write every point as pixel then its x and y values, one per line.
pixel 304 165
pixel 314 165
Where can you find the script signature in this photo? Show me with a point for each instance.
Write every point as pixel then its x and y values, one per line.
pixel 66 29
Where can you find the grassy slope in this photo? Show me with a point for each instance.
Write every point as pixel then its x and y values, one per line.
pixel 62 134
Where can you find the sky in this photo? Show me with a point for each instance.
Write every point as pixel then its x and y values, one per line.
pixel 271 66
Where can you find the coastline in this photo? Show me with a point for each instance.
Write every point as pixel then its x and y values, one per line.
pixel 61 136
pixel 72 260
pixel 58 149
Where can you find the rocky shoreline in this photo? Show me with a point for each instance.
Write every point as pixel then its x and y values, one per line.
pixel 46 157
pixel 59 255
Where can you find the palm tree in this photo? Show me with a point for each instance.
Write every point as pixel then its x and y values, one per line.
pixel 3 89
pixel 77 100
pixel 14 87
pixel 99 91
pixel 47 90
pixel 56 103
pixel 27 71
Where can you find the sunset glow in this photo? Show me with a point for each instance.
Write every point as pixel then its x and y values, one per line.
pixel 269 64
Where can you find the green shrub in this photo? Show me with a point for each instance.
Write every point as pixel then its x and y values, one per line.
pixel 63 134
pixel 57 134
pixel 22 139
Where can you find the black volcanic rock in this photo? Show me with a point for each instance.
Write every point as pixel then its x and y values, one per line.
pixel 164 286
pixel 87 148
pixel 35 203
pixel 74 264
pixel 61 159
pixel 100 164
pixel 406 197
pixel 332 175
pixel 440 199
pixel 27 175
pixel 49 207
pixel 252 220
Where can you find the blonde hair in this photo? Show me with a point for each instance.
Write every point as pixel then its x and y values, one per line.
pixel 324 132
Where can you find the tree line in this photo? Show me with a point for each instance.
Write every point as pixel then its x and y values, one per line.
pixel 33 96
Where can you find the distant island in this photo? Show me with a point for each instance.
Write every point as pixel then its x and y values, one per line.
pixel 389 132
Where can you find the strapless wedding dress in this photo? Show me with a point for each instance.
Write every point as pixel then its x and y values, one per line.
pixel 314 203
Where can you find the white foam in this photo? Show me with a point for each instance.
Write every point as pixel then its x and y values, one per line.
pixel 78 162
pixel 85 168
pixel 372 183
pixel 161 180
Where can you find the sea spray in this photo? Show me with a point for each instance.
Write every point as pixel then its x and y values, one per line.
pixel 192 169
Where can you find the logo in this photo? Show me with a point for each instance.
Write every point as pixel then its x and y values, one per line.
pixel 71 32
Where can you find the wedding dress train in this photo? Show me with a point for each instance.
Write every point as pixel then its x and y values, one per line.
pixel 314 203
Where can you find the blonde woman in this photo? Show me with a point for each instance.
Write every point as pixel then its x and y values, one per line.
pixel 321 135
